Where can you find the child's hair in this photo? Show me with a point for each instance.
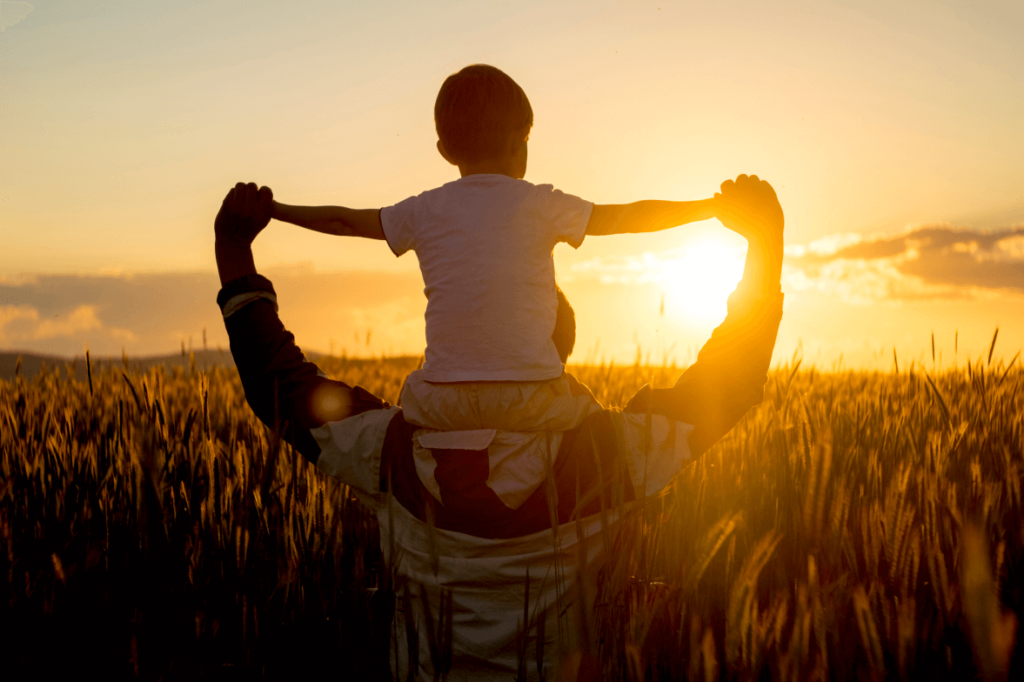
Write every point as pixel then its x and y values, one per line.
pixel 479 113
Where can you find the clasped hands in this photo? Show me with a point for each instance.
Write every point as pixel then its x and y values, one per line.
pixel 750 207
pixel 246 210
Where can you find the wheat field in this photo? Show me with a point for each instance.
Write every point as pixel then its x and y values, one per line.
pixel 855 525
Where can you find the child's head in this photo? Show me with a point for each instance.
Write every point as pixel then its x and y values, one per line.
pixel 481 115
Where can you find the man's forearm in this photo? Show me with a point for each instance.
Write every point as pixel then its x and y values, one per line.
pixel 762 270
pixel 647 216
pixel 234 261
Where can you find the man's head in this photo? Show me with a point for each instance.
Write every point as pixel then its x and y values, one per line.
pixel 564 335
pixel 482 115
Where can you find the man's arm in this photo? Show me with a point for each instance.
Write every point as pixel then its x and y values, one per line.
pixel 336 220
pixel 286 392
pixel 647 216
pixel 732 367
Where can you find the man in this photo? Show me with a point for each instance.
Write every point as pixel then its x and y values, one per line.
pixel 495 545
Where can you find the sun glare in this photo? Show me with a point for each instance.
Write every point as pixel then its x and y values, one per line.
pixel 698 282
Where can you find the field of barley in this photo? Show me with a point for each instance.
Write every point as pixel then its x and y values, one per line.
pixel 855 525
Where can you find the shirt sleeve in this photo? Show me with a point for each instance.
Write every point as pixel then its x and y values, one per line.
pixel 399 225
pixel 351 449
pixel 293 397
pixel 567 215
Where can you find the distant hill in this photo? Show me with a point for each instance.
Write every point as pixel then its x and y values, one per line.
pixel 32 364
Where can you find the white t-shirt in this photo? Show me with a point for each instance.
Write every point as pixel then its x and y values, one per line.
pixel 484 243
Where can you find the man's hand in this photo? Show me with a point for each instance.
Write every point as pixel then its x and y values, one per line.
pixel 243 215
pixel 750 208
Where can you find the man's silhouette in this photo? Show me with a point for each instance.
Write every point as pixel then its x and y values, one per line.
pixel 464 561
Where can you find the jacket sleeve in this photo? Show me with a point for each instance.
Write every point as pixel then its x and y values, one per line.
pixel 730 373
pixel 287 393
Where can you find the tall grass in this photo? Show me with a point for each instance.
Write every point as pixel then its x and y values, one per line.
pixel 853 526
pixel 825 536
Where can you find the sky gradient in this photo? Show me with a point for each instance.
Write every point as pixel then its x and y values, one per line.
pixel 895 126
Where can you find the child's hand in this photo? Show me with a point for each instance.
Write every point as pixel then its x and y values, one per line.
pixel 750 207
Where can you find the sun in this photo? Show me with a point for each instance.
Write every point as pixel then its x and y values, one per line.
pixel 698 282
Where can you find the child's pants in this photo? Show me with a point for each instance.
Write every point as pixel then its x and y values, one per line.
pixel 555 405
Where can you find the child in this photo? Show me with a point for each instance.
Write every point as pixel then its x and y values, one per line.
pixel 484 244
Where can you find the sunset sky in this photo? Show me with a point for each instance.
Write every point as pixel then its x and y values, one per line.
pixel 892 132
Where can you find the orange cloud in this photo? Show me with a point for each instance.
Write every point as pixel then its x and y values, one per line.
pixel 931 262
pixel 23 325
pixel 368 313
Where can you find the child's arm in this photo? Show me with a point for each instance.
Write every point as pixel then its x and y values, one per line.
pixel 336 220
pixel 648 216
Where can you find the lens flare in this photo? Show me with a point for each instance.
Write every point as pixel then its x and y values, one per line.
pixel 698 282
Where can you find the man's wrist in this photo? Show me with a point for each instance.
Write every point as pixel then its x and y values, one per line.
pixel 229 250
pixel 234 260
pixel 764 261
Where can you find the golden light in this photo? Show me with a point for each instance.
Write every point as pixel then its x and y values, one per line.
pixel 698 282
pixel 330 403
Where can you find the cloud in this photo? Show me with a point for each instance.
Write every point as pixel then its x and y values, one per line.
pixel 12 13
pixel 23 326
pixel 925 263
pixel 928 262
pixel 148 314
pixel 375 313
